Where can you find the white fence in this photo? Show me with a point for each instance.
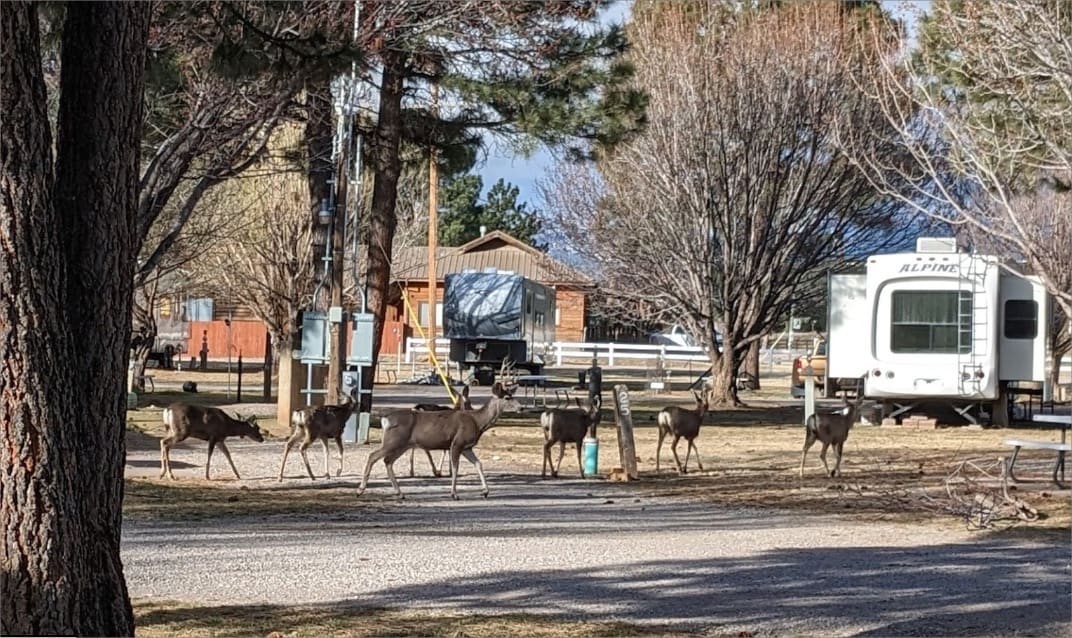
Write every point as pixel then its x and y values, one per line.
pixel 611 354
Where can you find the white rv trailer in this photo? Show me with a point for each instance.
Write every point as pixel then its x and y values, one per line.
pixel 938 325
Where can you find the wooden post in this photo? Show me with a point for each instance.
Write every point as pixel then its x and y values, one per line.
pixel 624 419
pixel 238 392
pixel 267 365
pixel 433 228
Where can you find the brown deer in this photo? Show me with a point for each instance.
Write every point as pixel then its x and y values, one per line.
pixel 184 420
pixel 461 402
pixel 567 426
pixel 455 430
pixel 831 429
pixel 682 423
pixel 323 422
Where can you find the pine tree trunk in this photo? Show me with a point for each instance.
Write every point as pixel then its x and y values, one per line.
pixel 66 284
pixel 387 165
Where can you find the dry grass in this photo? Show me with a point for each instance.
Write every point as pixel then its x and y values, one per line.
pixel 167 619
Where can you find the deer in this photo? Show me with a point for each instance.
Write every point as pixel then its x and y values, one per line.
pixel 682 423
pixel 567 426
pixel 461 402
pixel 833 430
pixel 184 420
pixel 321 422
pixel 456 430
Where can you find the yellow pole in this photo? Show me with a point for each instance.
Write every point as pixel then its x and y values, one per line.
pixel 431 350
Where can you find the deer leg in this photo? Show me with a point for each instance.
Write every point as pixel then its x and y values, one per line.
pixel 659 447
pixel 837 461
pixel 227 455
pixel 455 455
pixel 561 453
pixel 688 453
pixel 698 462
pixel 580 463
pixel 338 442
pixel 809 440
pixel 822 457
pixel 677 459
pixel 286 451
pixel 327 460
pixel 411 453
pixel 376 455
pixel 305 457
pixel 437 471
pixel 165 458
pixel 547 458
pixel 470 456
pixel 208 461
pixel 389 462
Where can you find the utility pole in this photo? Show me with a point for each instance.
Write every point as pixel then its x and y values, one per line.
pixel 338 238
pixel 433 206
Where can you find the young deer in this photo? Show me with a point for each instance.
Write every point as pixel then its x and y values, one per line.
pixel 323 422
pixel 831 429
pixel 680 422
pixel 184 420
pixel 455 430
pixel 461 402
pixel 567 426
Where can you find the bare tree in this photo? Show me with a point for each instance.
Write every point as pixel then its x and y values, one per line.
pixel 735 202
pixel 266 262
pixel 985 113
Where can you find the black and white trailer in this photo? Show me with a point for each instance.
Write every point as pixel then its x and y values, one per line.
pixel 493 316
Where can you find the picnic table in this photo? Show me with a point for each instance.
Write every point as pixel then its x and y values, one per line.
pixel 1063 421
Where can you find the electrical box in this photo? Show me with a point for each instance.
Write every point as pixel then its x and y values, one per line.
pixel 361 340
pixel 315 335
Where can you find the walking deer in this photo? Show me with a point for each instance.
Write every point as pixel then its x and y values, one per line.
pixel 567 426
pixel 833 430
pixel 682 423
pixel 461 402
pixel 455 430
pixel 184 420
pixel 323 423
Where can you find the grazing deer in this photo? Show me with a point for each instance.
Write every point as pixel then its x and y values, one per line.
pixel 455 430
pixel 461 402
pixel 831 429
pixel 680 422
pixel 567 426
pixel 321 422
pixel 184 420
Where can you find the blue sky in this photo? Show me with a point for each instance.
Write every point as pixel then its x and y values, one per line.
pixel 525 172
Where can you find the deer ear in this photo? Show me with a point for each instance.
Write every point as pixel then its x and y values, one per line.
pixel 497 389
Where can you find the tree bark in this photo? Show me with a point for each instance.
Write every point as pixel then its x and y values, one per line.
pixel 750 364
pixel 387 165
pixel 69 246
pixel 724 375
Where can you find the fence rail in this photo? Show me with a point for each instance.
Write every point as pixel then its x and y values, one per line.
pixel 610 354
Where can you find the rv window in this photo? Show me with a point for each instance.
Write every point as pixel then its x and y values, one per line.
pixel 934 321
pixel 1021 319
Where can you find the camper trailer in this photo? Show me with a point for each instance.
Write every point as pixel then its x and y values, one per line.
pixel 493 316
pixel 937 326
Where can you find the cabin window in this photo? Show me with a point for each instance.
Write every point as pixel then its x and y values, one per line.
pixel 1021 319
pixel 934 321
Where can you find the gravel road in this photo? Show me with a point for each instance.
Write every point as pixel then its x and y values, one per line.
pixel 591 550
